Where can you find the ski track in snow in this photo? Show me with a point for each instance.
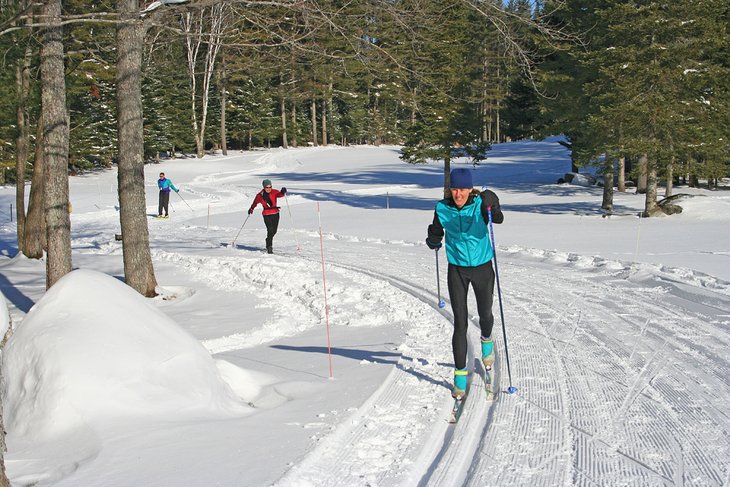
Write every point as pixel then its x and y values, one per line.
pixel 656 337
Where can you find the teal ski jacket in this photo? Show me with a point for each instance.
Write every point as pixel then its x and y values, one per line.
pixel 466 228
pixel 165 185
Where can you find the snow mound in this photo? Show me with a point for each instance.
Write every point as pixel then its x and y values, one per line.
pixel 92 349
pixel 699 207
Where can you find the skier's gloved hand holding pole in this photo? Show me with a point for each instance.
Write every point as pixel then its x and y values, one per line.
pixel 433 244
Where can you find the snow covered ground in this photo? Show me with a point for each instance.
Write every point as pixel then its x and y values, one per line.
pixel 240 374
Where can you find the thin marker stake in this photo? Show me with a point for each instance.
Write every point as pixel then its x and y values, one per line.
pixel 324 284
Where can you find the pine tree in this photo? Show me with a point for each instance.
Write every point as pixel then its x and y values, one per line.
pixel 445 85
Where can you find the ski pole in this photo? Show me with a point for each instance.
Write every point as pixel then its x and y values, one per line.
pixel 292 223
pixel 442 305
pixel 177 193
pixel 511 389
pixel 233 244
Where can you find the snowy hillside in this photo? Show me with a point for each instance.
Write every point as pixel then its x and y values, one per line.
pixel 239 374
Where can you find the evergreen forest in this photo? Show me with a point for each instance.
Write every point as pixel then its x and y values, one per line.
pixel 639 89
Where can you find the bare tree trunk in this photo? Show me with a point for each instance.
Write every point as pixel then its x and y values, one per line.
pixel 224 89
pixel 22 141
pixel 324 122
pixel 607 203
pixel 55 145
pixel 138 270
pixel 447 174
pixel 670 179
pixel 282 106
pixel 641 180
pixel 414 107
pixel 497 133
pixel 622 173
pixel 650 206
pixel 669 191
pixel 694 181
pixel 35 224
pixel 329 130
pixel 314 122
pixel 294 124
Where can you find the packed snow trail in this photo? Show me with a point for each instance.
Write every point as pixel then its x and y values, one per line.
pixel 405 418
pixel 618 383
pixel 649 423
pixel 622 374
pixel 622 370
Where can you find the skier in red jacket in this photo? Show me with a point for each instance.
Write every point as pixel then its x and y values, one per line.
pixel 267 197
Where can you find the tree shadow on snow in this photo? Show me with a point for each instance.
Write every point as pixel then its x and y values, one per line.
pixel 15 295
pixel 375 356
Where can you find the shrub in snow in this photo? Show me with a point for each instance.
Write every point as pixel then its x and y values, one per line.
pixel 92 348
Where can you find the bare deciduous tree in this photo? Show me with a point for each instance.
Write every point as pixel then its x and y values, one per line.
pixel 195 25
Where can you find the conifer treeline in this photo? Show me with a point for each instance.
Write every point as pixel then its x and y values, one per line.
pixel 634 81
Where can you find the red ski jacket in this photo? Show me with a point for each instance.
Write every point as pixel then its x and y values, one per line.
pixel 270 207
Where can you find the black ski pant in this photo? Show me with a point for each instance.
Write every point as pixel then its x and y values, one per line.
pixel 459 279
pixel 272 224
pixel 164 202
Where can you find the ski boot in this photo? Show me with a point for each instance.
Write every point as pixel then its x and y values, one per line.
pixel 459 390
pixel 487 353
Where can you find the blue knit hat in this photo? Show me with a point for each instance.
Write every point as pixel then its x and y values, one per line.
pixel 266 182
pixel 461 178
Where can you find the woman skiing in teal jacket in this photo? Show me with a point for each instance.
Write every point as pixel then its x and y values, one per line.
pixel 165 186
pixel 463 217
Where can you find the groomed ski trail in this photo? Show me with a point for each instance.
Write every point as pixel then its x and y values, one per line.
pixel 573 324
pixel 406 418
pixel 656 341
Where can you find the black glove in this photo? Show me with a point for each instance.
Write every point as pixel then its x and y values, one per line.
pixel 490 199
pixel 433 244
pixel 282 191
pixel 250 211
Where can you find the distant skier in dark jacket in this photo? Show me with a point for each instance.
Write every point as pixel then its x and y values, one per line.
pixel 267 198
pixel 463 218
pixel 165 186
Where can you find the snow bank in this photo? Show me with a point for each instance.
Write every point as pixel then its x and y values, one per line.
pixel 93 349
pixel 4 317
pixel 699 207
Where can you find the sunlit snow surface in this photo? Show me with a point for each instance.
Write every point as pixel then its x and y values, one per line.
pixel 238 374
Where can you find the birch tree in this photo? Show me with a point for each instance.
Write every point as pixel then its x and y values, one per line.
pixel 196 36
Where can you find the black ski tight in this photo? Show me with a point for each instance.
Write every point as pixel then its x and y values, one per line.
pixel 459 279
pixel 272 224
